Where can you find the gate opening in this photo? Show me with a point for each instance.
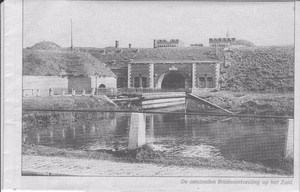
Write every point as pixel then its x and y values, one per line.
pixel 173 81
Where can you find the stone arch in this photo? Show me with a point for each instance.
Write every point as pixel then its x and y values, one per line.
pixel 102 86
pixel 171 80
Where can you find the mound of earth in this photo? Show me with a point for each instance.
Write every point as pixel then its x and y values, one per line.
pixel 45 45
pixel 266 69
pixel 56 63
pixel 243 42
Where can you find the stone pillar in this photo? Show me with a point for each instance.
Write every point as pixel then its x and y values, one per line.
pixel 137 131
pixel 289 145
pixel 141 82
pixel 63 92
pixel 73 92
pixel 38 93
pixel 217 76
pixel 151 75
pixel 194 75
pixel 83 93
pixel 50 92
pixel 129 76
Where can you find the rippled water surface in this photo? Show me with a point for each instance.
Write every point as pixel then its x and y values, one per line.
pixel 192 136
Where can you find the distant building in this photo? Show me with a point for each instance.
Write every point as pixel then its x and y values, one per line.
pixel 164 43
pixel 196 45
pixel 220 42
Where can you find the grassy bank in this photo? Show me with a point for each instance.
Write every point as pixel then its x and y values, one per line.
pixel 146 154
pixel 71 103
pixel 251 103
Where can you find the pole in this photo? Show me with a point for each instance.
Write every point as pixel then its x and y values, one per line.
pixel 71 36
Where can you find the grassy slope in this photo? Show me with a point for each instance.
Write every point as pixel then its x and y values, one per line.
pixel 259 69
pixel 98 102
pixel 252 103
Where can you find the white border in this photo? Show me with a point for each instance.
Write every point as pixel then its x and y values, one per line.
pixel 12 132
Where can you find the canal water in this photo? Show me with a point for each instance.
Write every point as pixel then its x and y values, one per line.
pixel 174 134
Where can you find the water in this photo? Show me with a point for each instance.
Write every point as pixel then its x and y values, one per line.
pixel 176 135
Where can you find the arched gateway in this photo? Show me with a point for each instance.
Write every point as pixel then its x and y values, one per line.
pixel 173 74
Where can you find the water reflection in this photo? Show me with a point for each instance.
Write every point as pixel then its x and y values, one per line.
pixel 183 135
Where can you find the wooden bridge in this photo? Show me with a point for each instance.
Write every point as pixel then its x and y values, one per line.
pixel 152 101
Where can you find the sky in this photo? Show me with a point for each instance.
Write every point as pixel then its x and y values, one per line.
pixel 101 23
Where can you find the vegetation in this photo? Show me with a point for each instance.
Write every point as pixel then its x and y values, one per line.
pixel 259 69
pixel 58 62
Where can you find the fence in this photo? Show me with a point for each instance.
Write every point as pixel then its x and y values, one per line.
pixel 99 91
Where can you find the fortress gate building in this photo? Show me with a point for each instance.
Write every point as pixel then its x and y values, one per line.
pixel 173 74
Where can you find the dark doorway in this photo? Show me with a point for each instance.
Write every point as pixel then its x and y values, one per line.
pixel 173 81
pixel 102 86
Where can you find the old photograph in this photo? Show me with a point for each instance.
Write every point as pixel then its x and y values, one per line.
pixel 158 89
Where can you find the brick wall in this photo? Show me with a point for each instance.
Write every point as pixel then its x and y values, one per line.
pixel 206 71
pixel 140 69
pixel 183 69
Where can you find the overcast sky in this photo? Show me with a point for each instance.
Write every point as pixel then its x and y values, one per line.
pixel 100 23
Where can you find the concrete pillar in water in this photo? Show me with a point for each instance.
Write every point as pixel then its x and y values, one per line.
pixel 289 145
pixel 151 137
pixel 137 130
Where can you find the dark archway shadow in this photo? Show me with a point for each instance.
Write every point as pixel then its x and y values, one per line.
pixel 173 81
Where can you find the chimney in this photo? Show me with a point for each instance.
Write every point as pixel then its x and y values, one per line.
pixel 154 44
pixel 129 45
pixel 117 44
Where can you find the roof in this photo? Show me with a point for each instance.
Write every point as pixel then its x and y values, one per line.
pixel 58 62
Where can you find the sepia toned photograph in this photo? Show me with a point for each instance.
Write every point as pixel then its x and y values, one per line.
pixel 158 89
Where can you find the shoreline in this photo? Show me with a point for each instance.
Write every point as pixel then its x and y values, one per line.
pixel 147 157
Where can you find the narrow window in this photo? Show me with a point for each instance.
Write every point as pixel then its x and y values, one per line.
pixel 201 82
pixel 210 82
